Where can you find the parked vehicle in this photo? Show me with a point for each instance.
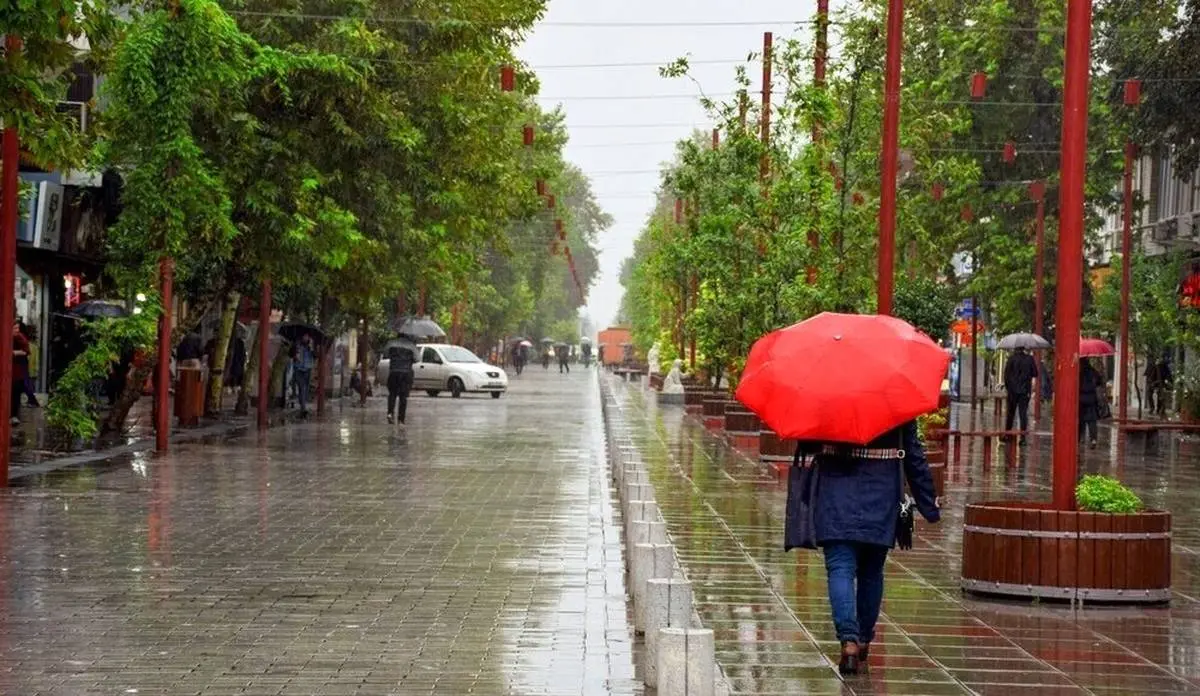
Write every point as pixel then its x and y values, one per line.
pixel 446 368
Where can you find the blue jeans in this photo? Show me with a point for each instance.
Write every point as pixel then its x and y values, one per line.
pixel 855 572
pixel 302 378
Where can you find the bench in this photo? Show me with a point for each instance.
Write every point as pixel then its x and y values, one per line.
pixel 955 437
pixel 1146 432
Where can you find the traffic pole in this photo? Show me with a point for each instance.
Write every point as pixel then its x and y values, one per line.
pixel 162 385
pixel 11 151
pixel 891 156
pixel 264 368
pixel 1037 191
pixel 1069 293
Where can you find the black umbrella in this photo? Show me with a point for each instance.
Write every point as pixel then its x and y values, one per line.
pixel 93 309
pixel 585 339
pixel 548 340
pixel 294 332
pixel 419 328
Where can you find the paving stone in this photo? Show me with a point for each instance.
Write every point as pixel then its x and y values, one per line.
pixel 476 552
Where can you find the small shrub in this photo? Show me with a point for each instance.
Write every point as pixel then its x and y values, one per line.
pixel 1106 494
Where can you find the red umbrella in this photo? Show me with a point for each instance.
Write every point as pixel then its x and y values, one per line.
pixel 1094 347
pixel 842 377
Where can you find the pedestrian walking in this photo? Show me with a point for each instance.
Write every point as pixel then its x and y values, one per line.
pixel 190 351
pixel 518 358
pixel 303 359
pixel 1166 381
pixel 563 351
pixel 20 370
pixel 1019 374
pixel 856 514
pixel 1089 405
pixel 402 354
pixel 546 352
pixel 236 362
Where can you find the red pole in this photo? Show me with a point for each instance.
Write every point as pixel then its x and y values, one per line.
pixel 764 165
pixel 1126 281
pixel 1038 191
pixel 8 271
pixel 365 351
pixel 323 358
pixel 1070 252
pixel 891 156
pixel 975 314
pixel 162 388
pixel 264 339
pixel 716 139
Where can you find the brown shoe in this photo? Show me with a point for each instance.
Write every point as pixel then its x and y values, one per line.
pixel 849 661
pixel 864 651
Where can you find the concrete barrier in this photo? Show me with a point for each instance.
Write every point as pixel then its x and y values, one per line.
pixel 668 605
pixel 649 561
pixel 638 511
pixel 638 491
pixel 646 533
pixel 686 662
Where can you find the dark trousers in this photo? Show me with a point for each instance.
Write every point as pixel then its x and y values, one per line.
pixel 563 365
pixel 302 379
pixel 1018 405
pixel 399 385
pixel 17 392
pixel 1088 417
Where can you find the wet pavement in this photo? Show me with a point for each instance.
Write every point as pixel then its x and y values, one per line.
pixel 476 553
pixel 771 619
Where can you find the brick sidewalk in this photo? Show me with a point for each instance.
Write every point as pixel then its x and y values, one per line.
pixel 475 554
pixel 770 615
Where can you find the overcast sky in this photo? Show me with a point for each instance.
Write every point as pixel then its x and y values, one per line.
pixel 622 162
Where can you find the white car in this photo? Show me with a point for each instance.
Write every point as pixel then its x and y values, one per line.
pixel 442 367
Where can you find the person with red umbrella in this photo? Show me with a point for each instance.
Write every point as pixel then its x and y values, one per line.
pixel 1091 381
pixel 849 387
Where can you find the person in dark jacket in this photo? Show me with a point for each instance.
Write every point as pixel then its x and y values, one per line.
pixel 401 356
pixel 563 353
pixel 1089 403
pixel 857 502
pixel 1019 374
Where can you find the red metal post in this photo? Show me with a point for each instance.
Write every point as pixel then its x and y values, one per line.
pixel 891 155
pixel 716 139
pixel 8 274
pixel 764 165
pixel 1126 281
pixel 264 340
pixel 1037 191
pixel 162 387
pixel 1070 252
pixel 975 314
pixel 364 352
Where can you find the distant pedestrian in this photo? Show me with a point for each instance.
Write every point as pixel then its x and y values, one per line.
pixel 546 353
pixel 31 368
pixel 304 357
pixel 402 355
pixel 563 352
pixel 236 362
pixel 518 358
pixel 586 352
pixel 20 370
pixel 1089 405
pixel 855 516
pixel 1166 382
pixel 190 352
pixel 1019 374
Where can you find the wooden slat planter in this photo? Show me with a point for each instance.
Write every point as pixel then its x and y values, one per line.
pixel 741 427
pixel 714 410
pixel 1030 550
pixel 775 452
pixel 693 398
pixel 936 456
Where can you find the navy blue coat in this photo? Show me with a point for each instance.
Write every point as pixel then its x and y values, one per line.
pixel 858 499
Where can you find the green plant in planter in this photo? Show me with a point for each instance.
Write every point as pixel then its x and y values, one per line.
pixel 929 421
pixel 1106 494
pixel 1189 392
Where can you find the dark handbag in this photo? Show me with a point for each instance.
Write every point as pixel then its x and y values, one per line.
pixel 800 529
pixel 905 518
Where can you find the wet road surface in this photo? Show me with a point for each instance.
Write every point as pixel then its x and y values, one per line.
pixel 770 616
pixel 475 554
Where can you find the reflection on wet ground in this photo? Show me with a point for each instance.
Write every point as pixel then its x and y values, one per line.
pixel 771 619
pixel 478 553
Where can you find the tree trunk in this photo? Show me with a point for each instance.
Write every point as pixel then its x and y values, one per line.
pixel 250 378
pixel 115 422
pixel 216 375
pixel 278 371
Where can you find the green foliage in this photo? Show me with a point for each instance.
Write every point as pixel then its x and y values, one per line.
pixel 1189 390
pixel 1105 494
pixel 928 420
pixel 73 406
pixel 925 304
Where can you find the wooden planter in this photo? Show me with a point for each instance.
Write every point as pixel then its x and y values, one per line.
pixel 741 427
pixel 936 456
pixel 656 382
pixel 775 452
pixel 1030 550
pixel 693 398
pixel 714 411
